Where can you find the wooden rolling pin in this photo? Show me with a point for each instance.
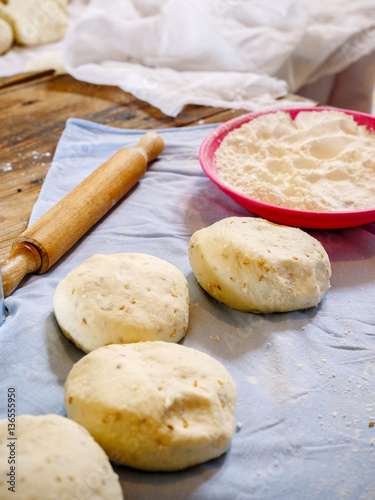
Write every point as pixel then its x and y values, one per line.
pixel 43 243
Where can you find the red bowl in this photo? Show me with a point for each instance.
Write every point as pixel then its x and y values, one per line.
pixel 281 215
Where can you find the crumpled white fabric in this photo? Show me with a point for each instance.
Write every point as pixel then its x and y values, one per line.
pixel 226 53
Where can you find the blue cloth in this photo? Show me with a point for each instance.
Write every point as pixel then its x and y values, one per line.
pixel 306 380
pixel 2 305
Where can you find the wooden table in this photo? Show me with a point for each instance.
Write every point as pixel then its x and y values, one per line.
pixel 34 108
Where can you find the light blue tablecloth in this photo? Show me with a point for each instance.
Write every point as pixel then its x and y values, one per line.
pixel 306 380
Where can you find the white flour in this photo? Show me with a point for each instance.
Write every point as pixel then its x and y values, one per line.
pixel 321 161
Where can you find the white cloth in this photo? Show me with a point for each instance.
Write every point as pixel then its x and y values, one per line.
pixel 238 54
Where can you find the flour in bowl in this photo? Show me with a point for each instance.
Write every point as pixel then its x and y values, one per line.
pixel 320 161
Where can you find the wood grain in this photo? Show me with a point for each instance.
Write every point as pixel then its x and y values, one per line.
pixel 7 81
pixel 34 113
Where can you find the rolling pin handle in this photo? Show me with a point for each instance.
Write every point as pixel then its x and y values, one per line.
pixel 23 259
pixel 150 145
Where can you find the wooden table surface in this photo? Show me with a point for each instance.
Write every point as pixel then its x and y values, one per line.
pixel 34 108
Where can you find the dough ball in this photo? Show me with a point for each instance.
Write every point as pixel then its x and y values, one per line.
pixel 45 61
pixel 115 299
pixel 6 36
pixel 35 22
pixel 55 458
pixel 153 405
pixel 254 265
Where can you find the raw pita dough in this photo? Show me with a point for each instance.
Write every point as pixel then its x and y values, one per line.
pixel 120 298
pixel 45 61
pixel 254 265
pixel 36 22
pixel 55 458
pixel 6 36
pixel 153 405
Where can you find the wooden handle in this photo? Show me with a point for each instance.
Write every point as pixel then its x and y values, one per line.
pixel 43 243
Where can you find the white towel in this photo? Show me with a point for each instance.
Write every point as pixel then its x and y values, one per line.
pixel 232 53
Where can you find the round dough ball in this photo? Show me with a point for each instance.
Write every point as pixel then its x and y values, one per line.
pixel 6 36
pixel 35 22
pixel 254 265
pixel 153 405
pixel 121 298
pixel 55 458
pixel 46 61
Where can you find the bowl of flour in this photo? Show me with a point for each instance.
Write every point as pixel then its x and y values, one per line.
pixel 308 167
